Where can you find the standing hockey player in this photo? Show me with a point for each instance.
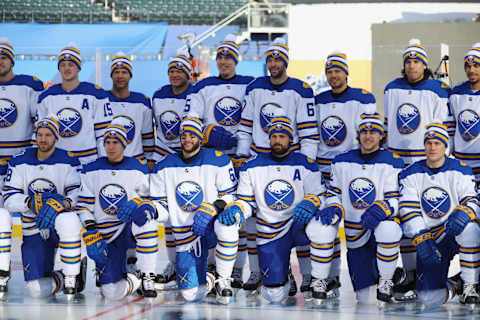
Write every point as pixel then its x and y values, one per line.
pixel 42 184
pixel 273 96
pixel 364 182
pixel 114 211
pixel 80 107
pixel 168 107
pixel 218 103
pixel 189 188
pixel 439 209
pixel 410 103
pixel 465 107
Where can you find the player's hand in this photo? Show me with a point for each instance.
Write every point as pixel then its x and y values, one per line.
pixel 327 214
pixel 305 209
pixel 144 212
pixel 427 249
pixel 219 138
pixel 232 214
pixel 48 213
pixel 379 211
pixel 458 220
pixel 203 219
pixel 97 248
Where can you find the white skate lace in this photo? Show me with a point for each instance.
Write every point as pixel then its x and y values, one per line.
pixel 4 281
pixel 385 286
pixel 469 290
pixel 69 281
pixel 223 283
pixel 148 283
pixel 320 285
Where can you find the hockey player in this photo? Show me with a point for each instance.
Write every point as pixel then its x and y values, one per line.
pixel 280 95
pixel 465 107
pixel 131 110
pixel 218 102
pixel 168 107
pixel 279 186
pixel 189 188
pixel 5 237
pixel 80 107
pixel 42 184
pixel 364 182
pixel 18 101
pixel 439 207
pixel 114 210
pixel 410 103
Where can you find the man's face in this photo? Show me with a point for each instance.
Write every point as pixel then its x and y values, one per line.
pixel 414 69
pixel 120 79
pixel 336 78
pixel 279 143
pixel 370 141
pixel 114 150
pixel 435 150
pixel 226 66
pixel 45 140
pixel 276 67
pixel 190 142
pixel 473 72
pixel 177 77
pixel 68 70
pixel 6 66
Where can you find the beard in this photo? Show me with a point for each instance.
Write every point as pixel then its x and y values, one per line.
pixel 46 147
pixel 279 150
pixel 195 147
pixel 3 74
pixel 278 75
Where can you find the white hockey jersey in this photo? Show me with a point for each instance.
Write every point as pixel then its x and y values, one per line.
pixel 104 187
pixel 338 119
pixel 168 110
pixel 27 176
pixel 263 101
pixel 3 174
pixel 178 188
pixel 427 198
pixel 220 102
pixel 273 188
pixel 82 116
pixel 135 115
pixel 18 108
pixel 407 110
pixel 465 108
pixel 357 183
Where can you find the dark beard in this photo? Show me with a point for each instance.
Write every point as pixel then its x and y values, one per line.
pixel 280 152
pixel 194 148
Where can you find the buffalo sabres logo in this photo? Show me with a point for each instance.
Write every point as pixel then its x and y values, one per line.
pixel 189 195
pixel 333 131
pixel 128 124
pixel 362 192
pixel 41 185
pixel 227 111
pixel 468 124
pixel 267 112
pixel 408 118
pixel 435 202
pixel 111 196
pixel 8 113
pixel 279 195
pixel 170 124
pixel 70 122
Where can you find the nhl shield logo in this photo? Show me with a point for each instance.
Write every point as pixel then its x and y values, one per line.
pixel 128 124
pixel 8 113
pixel 333 131
pixel 227 111
pixel 362 192
pixel 189 195
pixel 435 202
pixel 269 111
pixel 279 195
pixel 41 185
pixel 170 124
pixel 468 124
pixel 111 196
pixel 408 118
pixel 70 121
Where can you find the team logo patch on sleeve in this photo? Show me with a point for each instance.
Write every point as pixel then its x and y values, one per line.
pixel 362 192
pixel 189 195
pixel 435 202
pixel 170 124
pixel 8 113
pixel 70 121
pixel 279 195
pixel 111 196
pixel 41 185
pixel 128 124
pixel 408 118
pixel 227 111
pixel 468 124
pixel 269 111
pixel 333 131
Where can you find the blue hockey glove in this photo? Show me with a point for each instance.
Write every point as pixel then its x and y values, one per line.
pixel 327 214
pixel 138 211
pixel 427 250
pixel 232 214
pixel 125 210
pixel 48 213
pixel 97 248
pixel 379 211
pixel 306 208
pixel 203 219
pixel 38 200
pixel 458 220
pixel 218 137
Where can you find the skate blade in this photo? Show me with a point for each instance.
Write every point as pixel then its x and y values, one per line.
pixel 325 302
pixel 307 295
pixel 3 296
pixel 172 285
pixel 471 306
pixel 224 300
pixel 408 297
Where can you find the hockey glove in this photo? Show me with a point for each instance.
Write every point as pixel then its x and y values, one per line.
pixel 96 247
pixel 327 214
pixel 427 250
pixel 219 138
pixel 306 208
pixel 203 219
pixel 232 214
pixel 458 220
pixel 379 211
pixel 38 200
pixel 237 162
pixel 48 213
pixel 138 211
